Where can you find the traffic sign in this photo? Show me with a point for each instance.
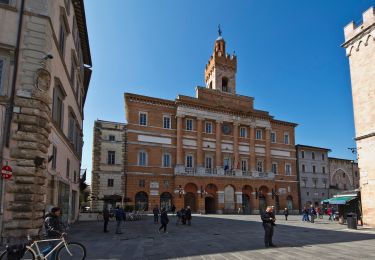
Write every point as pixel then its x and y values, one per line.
pixel 6 172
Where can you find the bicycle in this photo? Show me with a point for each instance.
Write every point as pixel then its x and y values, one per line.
pixel 65 250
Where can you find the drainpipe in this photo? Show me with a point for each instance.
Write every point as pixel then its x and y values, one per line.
pixel 299 184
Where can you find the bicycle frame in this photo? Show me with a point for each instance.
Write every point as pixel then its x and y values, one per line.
pixel 39 254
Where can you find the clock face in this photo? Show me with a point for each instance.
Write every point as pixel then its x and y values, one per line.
pixel 226 129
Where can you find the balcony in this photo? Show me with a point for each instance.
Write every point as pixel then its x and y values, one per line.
pixel 220 172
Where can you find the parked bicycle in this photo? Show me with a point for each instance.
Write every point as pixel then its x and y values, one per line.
pixel 64 250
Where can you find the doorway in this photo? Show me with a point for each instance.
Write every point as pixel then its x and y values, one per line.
pixel 246 204
pixel 190 201
pixel 209 205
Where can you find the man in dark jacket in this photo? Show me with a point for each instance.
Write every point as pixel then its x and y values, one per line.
pixel 120 216
pixel 155 210
pixel 105 218
pixel 268 224
pixel 54 229
pixel 188 215
pixel 164 220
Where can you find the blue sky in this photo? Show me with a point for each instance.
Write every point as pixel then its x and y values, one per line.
pixel 289 59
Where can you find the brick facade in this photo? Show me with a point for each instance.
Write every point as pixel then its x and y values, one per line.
pixel 213 152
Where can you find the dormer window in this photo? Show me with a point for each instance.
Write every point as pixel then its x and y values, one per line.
pixel 224 84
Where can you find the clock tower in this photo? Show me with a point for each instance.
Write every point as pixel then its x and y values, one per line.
pixel 220 72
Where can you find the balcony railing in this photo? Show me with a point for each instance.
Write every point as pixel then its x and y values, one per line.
pixel 220 172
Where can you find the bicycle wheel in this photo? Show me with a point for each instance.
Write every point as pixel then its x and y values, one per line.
pixel 29 255
pixel 76 252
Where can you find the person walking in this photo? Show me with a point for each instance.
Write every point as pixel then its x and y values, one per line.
pixel 312 214
pixel 54 229
pixel 105 218
pixel 164 220
pixel 329 213
pixel 179 216
pixel 305 214
pixel 120 216
pixel 183 216
pixel 155 210
pixel 268 225
pixel 188 215
pixel 173 209
pixel 286 213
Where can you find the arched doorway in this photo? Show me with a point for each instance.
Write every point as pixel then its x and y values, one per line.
pixel 209 205
pixel 166 201
pixel 229 203
pixel 262 193
pixel 190 201
pixel 246 208
pixel 289 203
pixel 141 201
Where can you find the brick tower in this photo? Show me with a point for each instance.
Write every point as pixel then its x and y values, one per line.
pixel 360 49
pixel 220 72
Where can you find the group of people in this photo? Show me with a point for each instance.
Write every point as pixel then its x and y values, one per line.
pixel 183 216
pixel 120 216
pixel 312 213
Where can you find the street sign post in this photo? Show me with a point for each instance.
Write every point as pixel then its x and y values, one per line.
pixel 6 172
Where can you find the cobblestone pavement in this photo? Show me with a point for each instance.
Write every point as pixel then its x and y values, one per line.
pixel 225 237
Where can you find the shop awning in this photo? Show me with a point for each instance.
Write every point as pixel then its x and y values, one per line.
pixel 339 200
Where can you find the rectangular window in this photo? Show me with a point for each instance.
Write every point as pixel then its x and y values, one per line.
pixel 288 169
pixel 62 39
pixel 208 162
pixel 110 183
pixel 258 134
pixel 314 168
pixel 244 165
pixel 303 154
pixel 166 122
pixel 54 158
pixel 75 176
pixel 143 118
pixel 1 73
pixel 304 180
pixel 166 160
pixel 208 127
pixel 189 161
pixel 58 107
pixel 273 137
pixel 323 157
pixel 313 155
pixel 166 184
pixel 189 124
pixel 142 183
pixel 315 181
pixel 112 138
pixel 259 166
pixel 71 128
pixel 286 138
pixel 67 168
pixel 303 168
pixel 323 169
pixel 325 183
pixel 274 168
pixel 111 157
pixel 142 159
pixel 243 132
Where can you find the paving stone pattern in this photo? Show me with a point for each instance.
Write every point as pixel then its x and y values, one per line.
pixel 225 237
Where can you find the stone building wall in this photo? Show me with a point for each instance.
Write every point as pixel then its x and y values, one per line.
pixel 344 175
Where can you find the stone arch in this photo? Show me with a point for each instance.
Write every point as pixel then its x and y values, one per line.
pixel 210 200
pixel 262 198
pixel 247 199
pixel 225 84
pixel 191 187
pixel 190 198
pixel 229 199
pixel 141 201
pixel 166 201
pixel 341 179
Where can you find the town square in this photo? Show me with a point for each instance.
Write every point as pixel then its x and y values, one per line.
pixel 187 129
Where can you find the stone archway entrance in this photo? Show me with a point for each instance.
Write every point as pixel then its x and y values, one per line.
pixel 246 204
pixel 262 204
pixel 190 201
pixel 209 205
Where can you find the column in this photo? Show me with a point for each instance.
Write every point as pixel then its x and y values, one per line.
pixel 218 144
pixel 235 146
pixel 268 161
pixel 199 143
pixel 252 162
pixel 179 159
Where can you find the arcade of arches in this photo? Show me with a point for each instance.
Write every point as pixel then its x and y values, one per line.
pixel 211 198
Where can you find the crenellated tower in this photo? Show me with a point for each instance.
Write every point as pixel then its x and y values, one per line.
pixel 220 72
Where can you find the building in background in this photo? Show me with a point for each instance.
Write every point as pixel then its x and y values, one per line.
pixel 344 175
pixel 44 77
pixel 214 152
pixel 108 165
pixel 313 174
pixel 360 49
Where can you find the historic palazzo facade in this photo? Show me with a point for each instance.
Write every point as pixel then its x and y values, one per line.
pixel 213 152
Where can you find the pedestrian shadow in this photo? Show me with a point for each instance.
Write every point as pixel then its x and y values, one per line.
pixel 207 235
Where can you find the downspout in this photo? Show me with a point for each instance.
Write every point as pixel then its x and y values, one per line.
pixel 299 182
pixel 9 112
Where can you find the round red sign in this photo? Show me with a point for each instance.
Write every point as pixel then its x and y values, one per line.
pixel 6 172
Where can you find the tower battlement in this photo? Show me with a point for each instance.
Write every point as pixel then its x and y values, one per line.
pixel 352 29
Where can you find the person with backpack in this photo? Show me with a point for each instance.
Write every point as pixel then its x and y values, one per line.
pixel 164 220
pixel 120 216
